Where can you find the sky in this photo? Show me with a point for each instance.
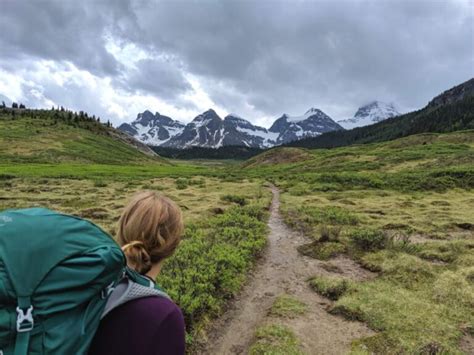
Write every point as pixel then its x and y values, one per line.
pixel 257 59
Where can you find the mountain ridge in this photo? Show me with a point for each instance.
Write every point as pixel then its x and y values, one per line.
pixel 452 110
pixel 208 130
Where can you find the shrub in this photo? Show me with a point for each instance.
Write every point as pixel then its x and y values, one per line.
pixel 240 200
pixel 369 239
pixel 328 234
pixel 322 251
pixel 212 261
pixel 7 176
pixel 181 183
pixel 329 286
pixel 100 183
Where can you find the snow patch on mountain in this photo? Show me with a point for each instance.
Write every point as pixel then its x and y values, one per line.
pixel 313 123
pixel 153 129
pixel 371 113
pixel 209 130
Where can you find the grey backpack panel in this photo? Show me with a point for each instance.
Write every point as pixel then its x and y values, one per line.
pixel 128 290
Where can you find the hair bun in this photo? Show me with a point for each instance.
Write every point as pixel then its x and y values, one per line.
pixel 138 257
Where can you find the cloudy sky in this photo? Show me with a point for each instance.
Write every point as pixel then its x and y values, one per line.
pixel 259 59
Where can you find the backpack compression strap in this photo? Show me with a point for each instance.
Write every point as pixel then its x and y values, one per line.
pixel 24 325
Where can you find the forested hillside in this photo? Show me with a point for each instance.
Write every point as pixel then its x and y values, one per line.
pixel 449 115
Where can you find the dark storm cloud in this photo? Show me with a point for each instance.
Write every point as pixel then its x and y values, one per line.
pixel 160 77
pixel 59 30
pixel 258 57
pixel 288 55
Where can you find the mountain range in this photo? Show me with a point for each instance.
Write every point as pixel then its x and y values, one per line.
pixel 208 130
pixel 452 110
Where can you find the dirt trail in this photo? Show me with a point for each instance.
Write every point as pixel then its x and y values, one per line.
pixel 282 270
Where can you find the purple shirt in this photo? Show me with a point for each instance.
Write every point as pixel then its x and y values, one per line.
pixel 145 326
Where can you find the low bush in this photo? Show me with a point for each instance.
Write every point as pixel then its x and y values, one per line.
pixel 307 218
pixel 240 200
pixel 100 183
pixel 322 251
pixel 369 239
pixel 446 252
pixel 331 287
pixel 212 261
pixel 329 234
pixel 181 183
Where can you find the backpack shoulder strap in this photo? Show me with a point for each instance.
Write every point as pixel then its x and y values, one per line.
pixel 128 290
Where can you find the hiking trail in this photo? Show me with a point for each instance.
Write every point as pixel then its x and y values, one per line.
pixel 282 270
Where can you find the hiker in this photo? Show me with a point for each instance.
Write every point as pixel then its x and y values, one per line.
pixel 149 230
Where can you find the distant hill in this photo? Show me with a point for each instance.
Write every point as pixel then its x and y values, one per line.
pixel 278 155
pixel 52 136
pixel 451 111
pixel 226 152
pixel 426 161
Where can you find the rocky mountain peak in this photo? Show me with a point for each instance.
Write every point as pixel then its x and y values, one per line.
pixel 454 94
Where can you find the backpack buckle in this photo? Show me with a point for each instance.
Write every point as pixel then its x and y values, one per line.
pixel 106 292
pixel 24 321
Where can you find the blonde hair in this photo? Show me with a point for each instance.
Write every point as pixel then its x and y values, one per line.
pixel 149 230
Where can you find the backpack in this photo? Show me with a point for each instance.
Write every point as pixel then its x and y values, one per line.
pixel 59 275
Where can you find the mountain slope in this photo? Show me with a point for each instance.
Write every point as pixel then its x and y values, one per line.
pixel 45 136
pixel 313 123
pixel 152 129
pixel 240 132
pixel 371 113
pixel 208 130
pixel 450 111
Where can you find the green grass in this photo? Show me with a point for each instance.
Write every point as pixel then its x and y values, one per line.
pixel 211 263
pixel 275 339
pixel 402 209
pixel 43 136
pixel 287 306
pixel 322 250
pixel 331 287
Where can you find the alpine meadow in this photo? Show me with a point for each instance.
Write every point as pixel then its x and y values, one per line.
pixel 303 233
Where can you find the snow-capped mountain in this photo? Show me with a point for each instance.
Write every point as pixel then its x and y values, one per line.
pixel 209 130
pixel 206 130
pixel 241 132
pixel 153 129
pixel 313 123
pixel 371 113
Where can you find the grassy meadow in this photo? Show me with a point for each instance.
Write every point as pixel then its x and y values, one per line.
pixel 74 166
pixel 225 228
pixel 403 209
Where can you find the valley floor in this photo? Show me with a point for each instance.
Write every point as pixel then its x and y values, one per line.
pixel 281 276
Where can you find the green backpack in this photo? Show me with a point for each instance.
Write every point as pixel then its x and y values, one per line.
pixel 59 275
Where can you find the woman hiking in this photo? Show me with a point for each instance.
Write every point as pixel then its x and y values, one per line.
pixel 149 231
